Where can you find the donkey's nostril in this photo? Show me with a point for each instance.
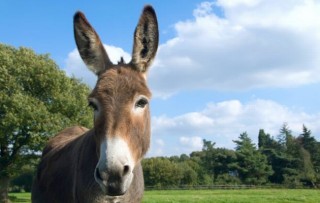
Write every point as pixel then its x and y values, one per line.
pixel 98 176
pixel 126 170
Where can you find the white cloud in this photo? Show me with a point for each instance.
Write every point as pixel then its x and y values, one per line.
pixel 191 143
pixel 252 44
pixel 255 43
pixel 76 67
pixel 223 122
pixel 157 146
pixel 160 142
pixel 263 43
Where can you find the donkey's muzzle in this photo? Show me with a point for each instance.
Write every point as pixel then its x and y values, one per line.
pixel 114 183
pixel 114 170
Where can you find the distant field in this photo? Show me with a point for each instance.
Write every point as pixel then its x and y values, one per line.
pixel 218 196
pixel 234 196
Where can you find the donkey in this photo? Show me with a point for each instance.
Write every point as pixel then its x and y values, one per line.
pixel 104 164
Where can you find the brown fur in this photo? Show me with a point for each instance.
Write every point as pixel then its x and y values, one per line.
pixel 67 167
pixel 65 173
pixel 116 110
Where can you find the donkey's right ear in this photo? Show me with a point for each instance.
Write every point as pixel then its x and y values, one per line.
pixel 89 45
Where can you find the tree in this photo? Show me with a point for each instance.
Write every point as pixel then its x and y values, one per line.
pixel 208 157
pixel 225 170
pixel 263 139
pixel 309 143
pixel 253 167
pixel 307 174
pixel 207 145
pixel 285 138
pixel 291 158
pixel 189 176
pixel 22 181
pixel 37 100
pixel 273 151
pixel 197 163
pixel 161 172
pixel 310 155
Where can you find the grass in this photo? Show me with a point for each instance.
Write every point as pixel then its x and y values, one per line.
pixel 20 197
pixel 217 196
pixel 234 196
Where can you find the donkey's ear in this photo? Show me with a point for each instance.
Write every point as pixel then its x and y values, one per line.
pixel 89 45
pixel 146 39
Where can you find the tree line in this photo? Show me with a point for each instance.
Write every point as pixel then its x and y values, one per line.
pixel 285 160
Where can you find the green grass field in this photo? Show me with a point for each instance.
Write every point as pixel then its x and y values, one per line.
pixel 234 196
pixel 218 196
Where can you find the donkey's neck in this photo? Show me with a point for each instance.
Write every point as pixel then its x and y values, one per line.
pixel 86 154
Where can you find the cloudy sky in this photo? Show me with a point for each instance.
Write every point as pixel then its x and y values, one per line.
pixel 223 67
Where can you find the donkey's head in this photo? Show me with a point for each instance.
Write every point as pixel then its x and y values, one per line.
pixel 120 101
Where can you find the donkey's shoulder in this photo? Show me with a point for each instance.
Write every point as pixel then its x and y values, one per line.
pixel 64 137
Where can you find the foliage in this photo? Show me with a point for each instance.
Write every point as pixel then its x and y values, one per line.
pixel 252 166
pixel 22 182
pixel 288 160
pixel 161 172
pixel 37 100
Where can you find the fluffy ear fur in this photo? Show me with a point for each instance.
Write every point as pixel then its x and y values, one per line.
pixel 146 39
pixel 89 45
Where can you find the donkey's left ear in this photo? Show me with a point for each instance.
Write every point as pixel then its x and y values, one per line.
pixel 146 39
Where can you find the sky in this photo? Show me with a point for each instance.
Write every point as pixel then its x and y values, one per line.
pixel 222 68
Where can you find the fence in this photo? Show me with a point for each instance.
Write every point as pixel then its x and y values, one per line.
pixel 213 187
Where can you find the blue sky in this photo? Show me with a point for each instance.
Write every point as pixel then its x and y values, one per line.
pixel 223 67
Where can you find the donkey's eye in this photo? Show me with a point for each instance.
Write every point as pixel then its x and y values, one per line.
pixel 93 106
pixel 141 103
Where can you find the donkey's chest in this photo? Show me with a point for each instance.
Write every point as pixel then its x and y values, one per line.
pixel 108 199
pixel 93 194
